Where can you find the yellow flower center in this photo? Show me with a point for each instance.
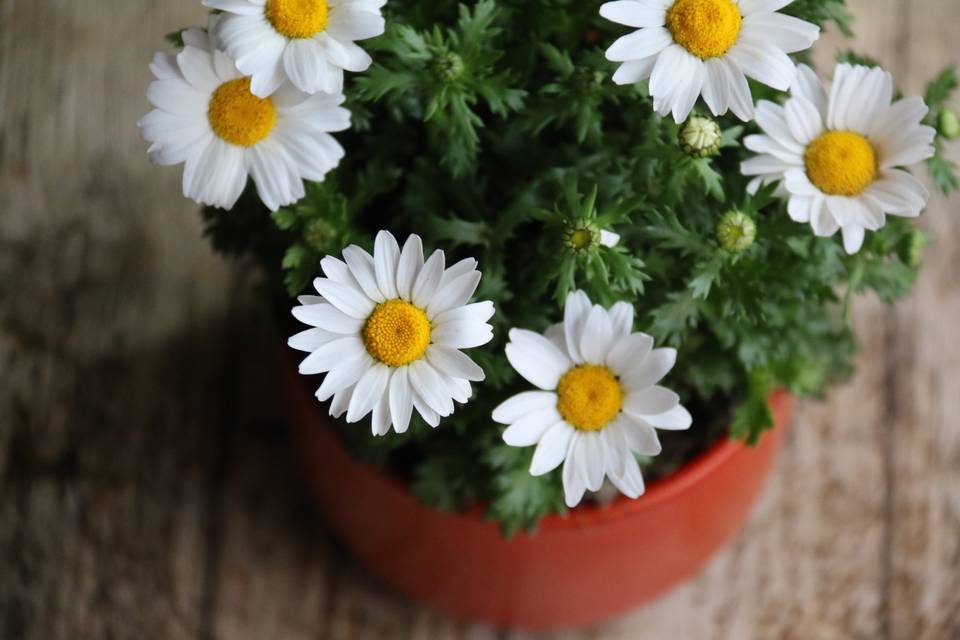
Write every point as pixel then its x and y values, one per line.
pixel 238 116
pixel 841 163
pixel 581 239
pixel 589 397
pixel 396 333
pixel 705 28
pixel 298 18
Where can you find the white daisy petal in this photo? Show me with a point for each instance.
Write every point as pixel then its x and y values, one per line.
pixel 799 208
pixel 409 265
pixel 328 317
pixel 453 294
pixel 750 7
pixel 330 354
pixel 368 392
pixel 428 280
pixel 597 335
pixel 804 120
pixel 537 359
pixel 427 383
pixel 362 269
pixel 462 335
pixel 626 353
pixel 341 402
pixel 651 401
pixel 454 363
pixel 641 437
pixel 551 449
pixel 350 24
pixel 522 404
pixel 633 14
pixel 716 88
pixel 401 400
pixel 621 318
pixel 380 424
pixel 350 301
pixel 477 312
pixel 821 219
pixel 807 85
pixel 764 62
pixel 593 459
pixel 676 419
pixel 852 238
pixel 634 71
pixel 573 484
pixel 630 482
pixel 386 255
pixel 791 34
pixel 639 45
pixel 311 339
pixel 528 430
pixel 651 369
pixel 575 313
pixel 345 374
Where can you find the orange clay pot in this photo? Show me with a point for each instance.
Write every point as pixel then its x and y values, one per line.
pixel 576 570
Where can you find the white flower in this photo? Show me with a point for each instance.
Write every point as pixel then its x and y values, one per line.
pixel 207 118
pixel 598 402
pixel 836 155
pixel 689 48
pixel 388 333
pixel 310 42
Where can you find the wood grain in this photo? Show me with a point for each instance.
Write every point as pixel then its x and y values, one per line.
pixel 147 486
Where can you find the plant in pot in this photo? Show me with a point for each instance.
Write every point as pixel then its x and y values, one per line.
pixel 561 265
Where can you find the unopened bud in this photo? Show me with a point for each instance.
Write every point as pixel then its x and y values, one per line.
pixel 699 137
pixel 736 231
pixel 949 124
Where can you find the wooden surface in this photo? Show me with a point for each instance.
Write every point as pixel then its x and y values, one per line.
pixel 142 495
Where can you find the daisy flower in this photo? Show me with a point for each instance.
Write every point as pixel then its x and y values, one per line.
pixel 689 48
pixel 207 118
pixel 836 155
pixel 310 42
pixel 598 402
pixel 388 330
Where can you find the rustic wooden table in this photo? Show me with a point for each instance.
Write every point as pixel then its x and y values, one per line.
pixel 145 494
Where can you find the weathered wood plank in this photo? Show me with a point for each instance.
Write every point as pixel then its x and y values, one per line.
pixel 111 336
pixel 924 589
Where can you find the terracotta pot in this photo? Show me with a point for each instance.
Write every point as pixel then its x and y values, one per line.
pixel 574 571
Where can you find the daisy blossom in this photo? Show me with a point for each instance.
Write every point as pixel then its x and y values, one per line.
pixel 388 330
pixel 689 48
pixel 837 155
pixel 598 401
pixel 207 118
pixel 311 42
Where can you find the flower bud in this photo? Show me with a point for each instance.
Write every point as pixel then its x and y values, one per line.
pixel 699 137
pixel 949 124
pixel 736 231
pixel 582 237
pixel 911 248
pixel 447 66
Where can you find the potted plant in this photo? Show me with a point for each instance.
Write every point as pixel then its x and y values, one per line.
pixel 561 265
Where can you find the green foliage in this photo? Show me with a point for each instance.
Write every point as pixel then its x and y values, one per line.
pixel 942 170
pixel 492 130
